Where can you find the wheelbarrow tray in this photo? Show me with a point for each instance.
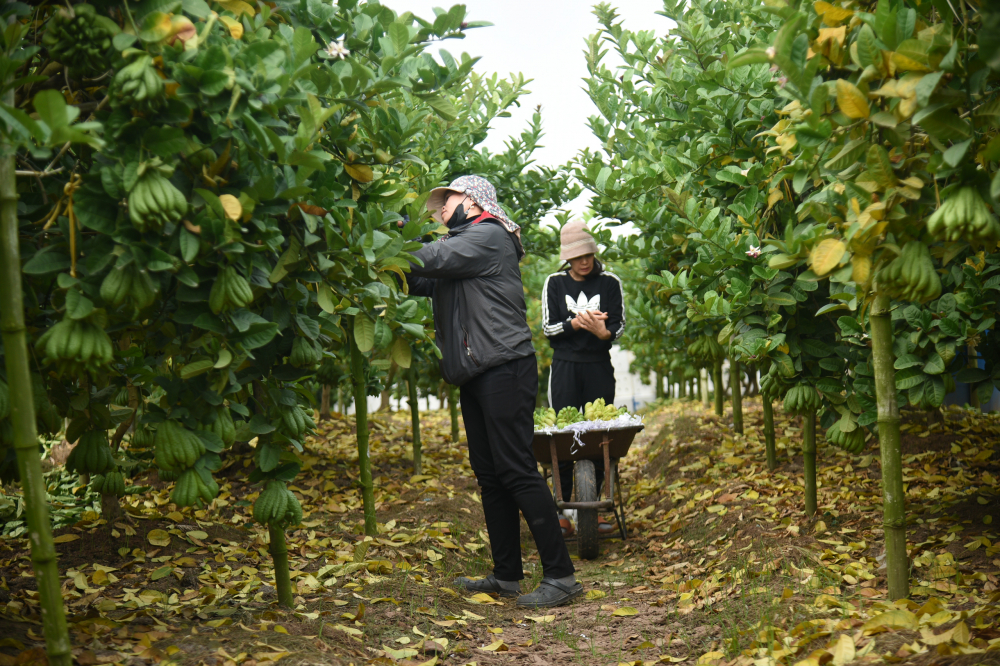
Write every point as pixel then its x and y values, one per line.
pixel 567 449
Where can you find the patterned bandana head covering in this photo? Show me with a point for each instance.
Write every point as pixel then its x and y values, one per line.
pixel 479 190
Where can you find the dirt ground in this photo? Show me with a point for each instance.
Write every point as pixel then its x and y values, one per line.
pixel 721 566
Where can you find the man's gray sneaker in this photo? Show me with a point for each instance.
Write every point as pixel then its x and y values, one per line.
pixel 490 585
pixel 550 592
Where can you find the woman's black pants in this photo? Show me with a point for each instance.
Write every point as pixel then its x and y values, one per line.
pixel 497 409
pixel 574 384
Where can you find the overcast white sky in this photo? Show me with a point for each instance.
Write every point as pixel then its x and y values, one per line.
pixel 545 40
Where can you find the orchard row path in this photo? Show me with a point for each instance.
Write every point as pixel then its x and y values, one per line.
pixel 721 565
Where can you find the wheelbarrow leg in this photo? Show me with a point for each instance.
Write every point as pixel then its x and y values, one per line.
pixel 556 486
pixel 619 506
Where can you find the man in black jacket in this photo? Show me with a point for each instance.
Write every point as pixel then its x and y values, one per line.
pixel 481 328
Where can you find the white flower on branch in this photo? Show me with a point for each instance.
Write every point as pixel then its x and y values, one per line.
pixel 337 50
pixel 753 252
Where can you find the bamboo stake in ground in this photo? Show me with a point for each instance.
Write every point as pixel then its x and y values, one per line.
pixel 893 498
pixel 734 384
pixel 453 408
pixel 279 554
pixel 717 378
pixel 703 385
pixel 324 403
pixel 772 458
pixel 361 426
pixel 22 417
pixel 809 459
pixel 415 421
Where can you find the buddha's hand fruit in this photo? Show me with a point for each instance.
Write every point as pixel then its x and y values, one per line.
pixel 177 448
pixel 230 291
pixel 153 200
pixel 277 506
pixel 92 454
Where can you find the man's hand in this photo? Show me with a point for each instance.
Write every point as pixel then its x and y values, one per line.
pixel 592 321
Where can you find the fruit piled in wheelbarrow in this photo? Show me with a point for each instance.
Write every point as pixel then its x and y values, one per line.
pixel 546 418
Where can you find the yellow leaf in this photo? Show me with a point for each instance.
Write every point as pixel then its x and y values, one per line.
pixel 861 268
pixel 237 7
pixel 595 594
pixel 399 654
pixel 66 538
pixel 540 618
pixel 158 538
pixel 825 256
pixel 852 101
pixel 895 619
pixel 232 206
pixel 359 172
pixel 234 26
pixel 832 34
pixel 832 15
pixel 710 657
pixel 482 598
pixel 774 197
pixel 625 611
pixel 198 534
pixel 499 646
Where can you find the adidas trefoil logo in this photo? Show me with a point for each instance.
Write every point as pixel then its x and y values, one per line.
pixel 582 304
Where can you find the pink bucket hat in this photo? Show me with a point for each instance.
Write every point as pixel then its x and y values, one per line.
pixel 575 241
pixel 479 190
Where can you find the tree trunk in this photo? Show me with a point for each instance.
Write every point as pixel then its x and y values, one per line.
pixel 973 363
pixel 772 458
pixel 384 405
pixel 681 388
pixel 703 385
pixel 717 380
pixel 361 423
pixel 324 403
pixel 809 460
pixel 735 370
pixel 22 417
pixel 415 421
pixel 658 385
pixel 279 555
pixel 453 408
pixel 893 498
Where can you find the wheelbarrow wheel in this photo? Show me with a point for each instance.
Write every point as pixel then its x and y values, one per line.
pixel 585 483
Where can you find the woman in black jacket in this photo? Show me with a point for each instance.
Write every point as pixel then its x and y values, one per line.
pixel 481 328
pixel 583 312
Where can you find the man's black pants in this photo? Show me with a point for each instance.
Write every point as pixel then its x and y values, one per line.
pixel 497 409
pixel 574 384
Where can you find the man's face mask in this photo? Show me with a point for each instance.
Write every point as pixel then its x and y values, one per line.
pixel 459 216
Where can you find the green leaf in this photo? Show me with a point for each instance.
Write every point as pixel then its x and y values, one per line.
pixel 953 156
pixel 53 110
pixel 934 392
pixel 935 364
pixel 258 335
pixel 971 375
pixel 308 326
pixel 749 57
pixel 400 36
pixel 880 168
pixel 401 353
pixel 268 456
pixel 907 361
pixel 364 332
pixel 78 306
pixel 781 298
pixel 196 368
pixel 909 378
pixel 189 245
pixel 47 260
pixel 442 106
